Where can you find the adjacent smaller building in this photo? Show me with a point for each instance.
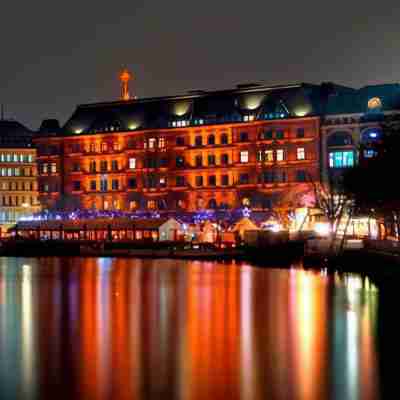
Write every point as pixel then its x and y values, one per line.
pixel 18 173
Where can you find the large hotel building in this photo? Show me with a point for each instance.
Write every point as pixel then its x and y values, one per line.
pixel 255 145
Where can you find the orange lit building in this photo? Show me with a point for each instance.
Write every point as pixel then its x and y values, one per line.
pixel 253 146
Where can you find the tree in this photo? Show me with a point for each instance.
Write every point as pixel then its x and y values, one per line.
pixel 372 183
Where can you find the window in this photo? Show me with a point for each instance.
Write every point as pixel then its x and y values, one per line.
pixel 133 204
pixel 93 185
pixel 180 162
pixel 244 179
pixel 116 146
pixel 180 141
pixel 161 142
pixel 341 159
pixel 114 165
pixel 280 176
pixel 243 137
pixel 163 182
pixel 180 181
pixel 248 118
pixel 211 139
pixel 211 159
pixel 265 156
pixel 280 155
pixel 225 180
pixel 76 185
pixel 92 166
pixel 212 180
pixel 199 161
pixel 151 204
pixel 224 138
pixel 132 163
pixel 103 185
pixel 267 135
pixel 115 184
pixel 268 177
pixel 369 153
pixel 150 181
pixel 224 159
pixel 104 147
pixel 152 143
pixel 103 166
pixel 44 169
pixel 53 168
pixel 300 175
pixel 244 156
pixel 301 154
pixel 279 134
pixel 300 133
pixel 76 167
pixel 198 141
pixel 199 181
pixel 163 162
pixel 132 183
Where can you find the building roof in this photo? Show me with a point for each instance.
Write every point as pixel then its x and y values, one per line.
pixel 13 134
pixel 196 108
pixel 355 101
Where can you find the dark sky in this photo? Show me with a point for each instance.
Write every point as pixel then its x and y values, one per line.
pixel 57 54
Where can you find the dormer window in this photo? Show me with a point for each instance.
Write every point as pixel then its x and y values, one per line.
pixel 248 118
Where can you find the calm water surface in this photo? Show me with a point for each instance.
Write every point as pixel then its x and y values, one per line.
pixel 98 328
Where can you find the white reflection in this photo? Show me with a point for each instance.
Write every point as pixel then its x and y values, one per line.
pixel 247 336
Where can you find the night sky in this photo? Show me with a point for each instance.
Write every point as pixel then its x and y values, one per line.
pixel 57 54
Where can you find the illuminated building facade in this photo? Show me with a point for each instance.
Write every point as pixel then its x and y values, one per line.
pixel 18 173
pixel 353 118
pixel 254 145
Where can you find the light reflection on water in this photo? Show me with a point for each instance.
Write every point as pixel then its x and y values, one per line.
pixel 151 329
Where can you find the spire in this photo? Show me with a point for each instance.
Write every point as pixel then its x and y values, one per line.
pixel 124 77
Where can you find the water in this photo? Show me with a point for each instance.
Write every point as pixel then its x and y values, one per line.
pixel 166 329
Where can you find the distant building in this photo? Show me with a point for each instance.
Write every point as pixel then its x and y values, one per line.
pixel 18 173
pixel 223 149
pixel 354 117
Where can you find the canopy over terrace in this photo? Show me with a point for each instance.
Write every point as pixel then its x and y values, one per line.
pixel 100 229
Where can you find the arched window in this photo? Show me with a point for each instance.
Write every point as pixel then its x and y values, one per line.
pixel 211 139
pixel 224 138
pixel 338 139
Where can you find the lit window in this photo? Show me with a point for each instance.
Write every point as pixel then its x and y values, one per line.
pixel 132 163
pixel 104 147
pixel 244 156
pixel 17 172
pixel 152 143
pixel 301 155
pixel 116 146
pixel 53 167
pixel 280 156
pixel 341 159
pixel 151 204
pixel 161 142
pixel 369 153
